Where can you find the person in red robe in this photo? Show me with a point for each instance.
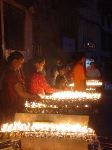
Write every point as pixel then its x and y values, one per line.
pixel 13 90
pixel 38 83
pixel 79 76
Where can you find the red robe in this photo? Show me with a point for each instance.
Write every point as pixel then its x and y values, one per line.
pixel 79 77
pixel 11 102
pixel 39 85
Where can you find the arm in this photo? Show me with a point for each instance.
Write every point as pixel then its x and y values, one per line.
pixel 39 85
pixel 22 93
pixel 47 88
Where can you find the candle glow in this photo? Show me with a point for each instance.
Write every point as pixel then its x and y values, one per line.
pixel 71 95
pixel 44 130
pixel 94 83
pixel 63 102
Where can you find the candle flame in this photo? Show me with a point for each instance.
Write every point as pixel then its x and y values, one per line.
pixel 92 83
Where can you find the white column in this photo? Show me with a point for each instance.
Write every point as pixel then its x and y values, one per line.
pixel 2 26
pixel 28 33
pixel 28 30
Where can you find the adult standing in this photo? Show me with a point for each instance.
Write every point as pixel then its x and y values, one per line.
pixel 14 92
pixel 79 76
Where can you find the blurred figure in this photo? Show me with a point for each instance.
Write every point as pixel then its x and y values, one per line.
pixel 79 76
pixel 38 83
pixel 61 80
pixel 52 71
pixel 52 77
pixel 93 72
pixel 58 62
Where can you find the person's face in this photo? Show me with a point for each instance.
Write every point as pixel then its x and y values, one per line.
pixel 40 66
pixel 58 62
pixel 17 63
pixel 92 65
pixel 62 71
pixel 83 60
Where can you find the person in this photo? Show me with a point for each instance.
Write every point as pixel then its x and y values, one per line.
pixel 93 72
pixel 52 70
pixel 38 83
pixel 52 77
pixel 78 73
pixel 61 80
pixel 13 91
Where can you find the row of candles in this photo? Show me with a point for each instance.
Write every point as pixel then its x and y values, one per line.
pixel 60 101
pixel 72 95
pixel 92 83
pixel 45 130
pixel 43 105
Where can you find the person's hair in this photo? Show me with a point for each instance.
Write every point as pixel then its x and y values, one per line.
pixel 38 60
pixel 61 67
pixel 92 63
pixel 15 55
pixel 78 57
pixel 33 62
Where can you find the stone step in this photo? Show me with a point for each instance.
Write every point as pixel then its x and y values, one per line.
pixel 57 118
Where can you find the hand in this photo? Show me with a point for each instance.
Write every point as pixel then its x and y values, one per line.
pixel 35 98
